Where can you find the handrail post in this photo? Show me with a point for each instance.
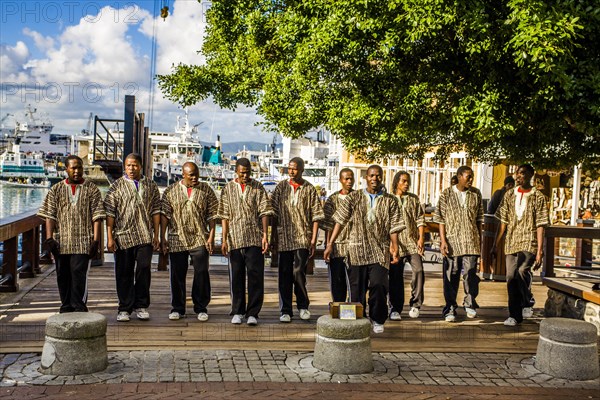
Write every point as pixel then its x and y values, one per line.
pixel 30 253
pixel 548 261
pixel 9 267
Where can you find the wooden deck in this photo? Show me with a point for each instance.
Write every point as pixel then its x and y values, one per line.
pixel 23 315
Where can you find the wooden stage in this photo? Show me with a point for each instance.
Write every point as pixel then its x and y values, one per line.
pixel 23 315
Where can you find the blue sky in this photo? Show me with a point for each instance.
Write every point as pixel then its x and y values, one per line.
pixel 70 58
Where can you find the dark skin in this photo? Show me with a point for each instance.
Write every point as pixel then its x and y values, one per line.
pixel 295 172
pixel 374 185
pixel 133 170
pixel 465 182
pixel 244 176
pixel 523 180
pixel 401 190
pixel 74 176
pixel 191 178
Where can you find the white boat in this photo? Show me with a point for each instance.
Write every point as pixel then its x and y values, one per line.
pixel 29 183
pixel 17 165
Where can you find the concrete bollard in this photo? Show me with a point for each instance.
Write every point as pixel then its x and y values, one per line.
pixel 568 349
pixel 343 346
pixel 75 344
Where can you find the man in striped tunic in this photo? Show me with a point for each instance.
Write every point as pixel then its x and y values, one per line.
pixel 73 212
pixel 411 247
pixel 297 212
pixel 338 276
pixel 244 210
pixel 460 214
pixel 523 214
pixel 373 218
pixel 188 207
pixel 133 230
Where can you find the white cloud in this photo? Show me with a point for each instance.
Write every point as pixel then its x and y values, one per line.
pixel 42 42
pixel 12 61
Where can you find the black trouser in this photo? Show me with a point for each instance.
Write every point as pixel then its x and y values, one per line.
pixel 251 261
pixel 71 276
pixel 132 273
pixel 416 284
pixel 518 282
pixel 374 279
pixel 338 279
pixel 451 276
pixel 200 284
pixel 292 278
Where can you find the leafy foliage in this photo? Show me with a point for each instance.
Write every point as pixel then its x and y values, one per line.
pixel 502 79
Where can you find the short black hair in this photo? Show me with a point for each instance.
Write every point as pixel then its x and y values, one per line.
pixel 136 157
pixel 462 169
pixel 343 170
pixel 73 157
pixel 396 179
pixel 243 162
pixel 454 180
pixel 376 166
pixel 509 179
pixel 528 168
pixel 299 162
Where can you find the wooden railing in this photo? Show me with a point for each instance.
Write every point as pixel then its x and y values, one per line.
pixel 26 225
pixel 581 280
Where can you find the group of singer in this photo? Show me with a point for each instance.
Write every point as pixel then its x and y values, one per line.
pixel 370 236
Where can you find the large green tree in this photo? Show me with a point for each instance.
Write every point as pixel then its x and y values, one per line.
pixel 514 79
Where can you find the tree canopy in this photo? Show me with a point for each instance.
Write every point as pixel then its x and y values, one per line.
pixel 501 79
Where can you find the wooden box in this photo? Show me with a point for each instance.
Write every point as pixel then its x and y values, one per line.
pixel 334 309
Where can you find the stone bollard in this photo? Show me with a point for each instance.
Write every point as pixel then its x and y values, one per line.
pixel 568 349
pixel 343 346
pixel 75 344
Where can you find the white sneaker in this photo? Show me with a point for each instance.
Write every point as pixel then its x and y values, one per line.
pixel 285 318
pixel 377 328
pixel 414 312
pixel 142 314
pixel 174 316
pixel 304 314
pixel 237 319
pixel 510 321
pixel 471 312
pixel 395 316
pixel 123 316
pixel 450 318
pixel 527 312
pixel 203 317
pixel 252 321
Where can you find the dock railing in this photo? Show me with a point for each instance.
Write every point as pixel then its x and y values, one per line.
pixel 27 227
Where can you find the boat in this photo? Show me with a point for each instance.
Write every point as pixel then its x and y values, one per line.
pixel 29 183
pixel 17 165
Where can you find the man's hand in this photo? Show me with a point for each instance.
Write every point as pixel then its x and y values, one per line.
pixel 421 246
pixel 444 248
pixel 265 244
pixel 210 246
pixel 52 246
pixel 111 245
pixel 224 248
pixel 164 246
pixel 394 254
pixel 327 252
pixel 156 243
pixel 311 249
pixel 539 258
pixel 94 248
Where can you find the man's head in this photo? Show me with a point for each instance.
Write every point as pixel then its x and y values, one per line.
pixel 243 169
pixel 465 177
pixel 401 182
pixel 346 179
pixel 191 174
pixel 74 169
pixel 296 168
pixel 509 182
pixel 133 166
pixel 453 180
pixel 524 175
pixel 374 178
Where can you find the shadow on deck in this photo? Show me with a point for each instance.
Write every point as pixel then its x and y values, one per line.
pixel 23 315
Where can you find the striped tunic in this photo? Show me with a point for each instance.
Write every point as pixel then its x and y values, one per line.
pixel 461 221
pixel 369 228
pixel 413 216
pixel 188 217
pixel 521 233
pixel 74 215
pixel 244 211
pixel 132 210
pixel 340 248
pixel 295 213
